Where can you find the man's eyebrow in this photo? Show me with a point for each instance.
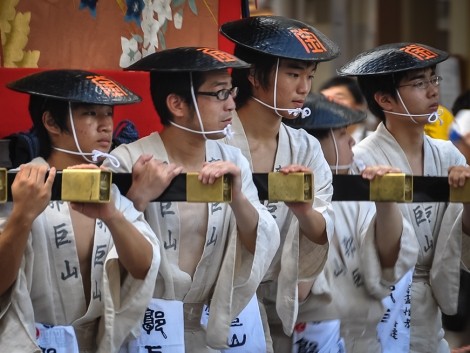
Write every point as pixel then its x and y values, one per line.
pixel 220 83
pixel 298 65
pixel 416 76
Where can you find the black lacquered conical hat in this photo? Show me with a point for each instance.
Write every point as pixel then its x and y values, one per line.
pixel 75 86
pixel 325 115
pixel 281 37
pixel 395 57
pixel 188 59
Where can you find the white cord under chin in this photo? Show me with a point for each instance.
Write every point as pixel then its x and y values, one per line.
pixel 227 131
pixel 356 164
pixel 302 112
pixel 336 152
pixel 336 168
pixel 95 154
pixel 432 118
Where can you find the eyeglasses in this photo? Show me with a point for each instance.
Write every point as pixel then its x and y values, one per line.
pixel 424 84
pixel 223 94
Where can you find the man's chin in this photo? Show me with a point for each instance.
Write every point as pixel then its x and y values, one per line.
pixel 215 136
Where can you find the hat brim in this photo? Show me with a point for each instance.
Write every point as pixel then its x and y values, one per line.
pixel 326 115
pixel 75 86
pixel 390 58
pixel 188 59
pixel 281 37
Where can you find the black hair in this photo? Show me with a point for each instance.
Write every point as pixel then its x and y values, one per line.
pixel 262 66
pixel 386 84
pixel 162 84
pixel 319 134
pixel 461 102
pixel 348 82
pixel 58 109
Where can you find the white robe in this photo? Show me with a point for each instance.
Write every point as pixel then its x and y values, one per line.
pixel 358 282
pixel 353 282
pixel 49 288
pixel 227 275
pixel 297 259
pixel 438 228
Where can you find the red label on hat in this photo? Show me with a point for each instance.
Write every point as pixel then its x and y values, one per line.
pixel 109 87
pixel 310 42
pixel 419 52
pixel 218 55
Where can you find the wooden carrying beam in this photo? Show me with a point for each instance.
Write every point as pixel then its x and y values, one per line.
pixel 94 185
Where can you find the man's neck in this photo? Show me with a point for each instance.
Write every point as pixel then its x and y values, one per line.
pixel 61 160
pixel 258 121
pixel 184 148
pixel 409 135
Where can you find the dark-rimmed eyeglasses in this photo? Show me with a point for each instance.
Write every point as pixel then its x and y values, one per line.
pixel 223 94
pixel 424 84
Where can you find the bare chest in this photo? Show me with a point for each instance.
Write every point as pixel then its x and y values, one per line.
pixel 84 230
pixel 192 235
pixel 263 156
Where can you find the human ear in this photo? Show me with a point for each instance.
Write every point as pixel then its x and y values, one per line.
pixel 384 100
pixel 49 124
pixel 176 105
pixel 252 78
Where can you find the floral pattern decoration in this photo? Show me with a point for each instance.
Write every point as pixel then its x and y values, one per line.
pixel 154 17
pixel 14 29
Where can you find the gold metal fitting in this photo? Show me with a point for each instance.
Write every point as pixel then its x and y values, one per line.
pixel 292 187
pixel 397 187
pixel 219 191
pixel 460 194
pixel 86 185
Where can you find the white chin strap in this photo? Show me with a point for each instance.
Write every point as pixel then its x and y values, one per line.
pixel 95 154
pixel 227 131
pixel 302 112
pixel 432 118
pixel 355 163
pixel 337 167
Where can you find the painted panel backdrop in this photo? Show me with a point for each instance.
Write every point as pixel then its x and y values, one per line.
pixel 103 34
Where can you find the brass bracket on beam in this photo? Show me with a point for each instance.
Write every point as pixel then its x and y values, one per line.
pixel 392 187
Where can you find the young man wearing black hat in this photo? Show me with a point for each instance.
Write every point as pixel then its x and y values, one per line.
pixel 284 54
pixel 213 254
pixel 372 247
pixel 400 84
pixel 61 262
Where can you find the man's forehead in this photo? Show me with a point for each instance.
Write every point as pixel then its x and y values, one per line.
pixel 307 65
pixel 420 72
pixel 217 76
pixel 340 89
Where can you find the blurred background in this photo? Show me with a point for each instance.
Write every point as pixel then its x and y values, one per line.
pixel 358 25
